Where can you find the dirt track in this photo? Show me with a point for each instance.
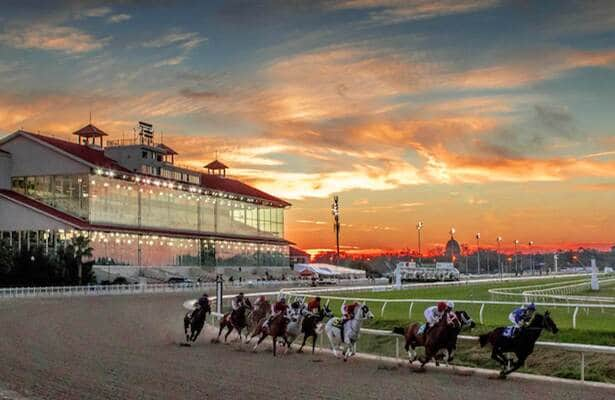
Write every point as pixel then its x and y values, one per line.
pixel 126 347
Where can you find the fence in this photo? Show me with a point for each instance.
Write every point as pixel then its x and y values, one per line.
pixel 99 290
pixel 582 349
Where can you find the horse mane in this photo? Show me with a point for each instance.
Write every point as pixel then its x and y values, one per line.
pixel 537 321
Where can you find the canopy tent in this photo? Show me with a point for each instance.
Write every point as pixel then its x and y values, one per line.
pixel 328 270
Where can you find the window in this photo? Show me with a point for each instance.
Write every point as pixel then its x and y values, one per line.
pixel 144 154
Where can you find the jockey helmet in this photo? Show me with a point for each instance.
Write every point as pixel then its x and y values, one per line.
pixel 295 304
pixel 450 304
pixel 205 295
pixel 240 294
pixel 441 306
pixel 283 300
pixel 531 307
pixel 262 298
pixel 317 298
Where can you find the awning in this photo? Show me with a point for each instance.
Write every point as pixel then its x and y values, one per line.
pixel 327 270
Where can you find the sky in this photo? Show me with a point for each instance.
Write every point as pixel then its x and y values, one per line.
pixel 484 115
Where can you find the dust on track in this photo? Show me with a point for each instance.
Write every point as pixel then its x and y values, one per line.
pixel 126 347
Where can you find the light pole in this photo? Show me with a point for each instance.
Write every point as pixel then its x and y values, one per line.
pixel 419 228
pixel 530 244
pixel 516 243
pixel 499 240
pixel 478 253
pixel 335 211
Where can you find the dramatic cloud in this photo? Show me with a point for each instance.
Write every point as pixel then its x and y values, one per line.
pixel 117 18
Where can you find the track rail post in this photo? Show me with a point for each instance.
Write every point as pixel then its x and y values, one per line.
pixel 410 310
pixel 382 309
pixel 480 313
pixel 574 318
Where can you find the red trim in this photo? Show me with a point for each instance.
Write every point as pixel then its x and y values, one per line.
pixel 83 224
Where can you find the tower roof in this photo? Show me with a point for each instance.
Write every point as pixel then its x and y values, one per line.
pixel 167 149
pixel 89 131
pixel 216 165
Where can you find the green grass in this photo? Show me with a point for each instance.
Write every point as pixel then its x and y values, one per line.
pixel 595 326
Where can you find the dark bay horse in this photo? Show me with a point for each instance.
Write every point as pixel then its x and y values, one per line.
pixel 521 345
pixel 310 326
pixel 276 329
pixel 194 322
pixel 235 320
pixel 414 340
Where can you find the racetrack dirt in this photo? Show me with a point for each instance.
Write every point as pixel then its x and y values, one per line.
pixel 127 347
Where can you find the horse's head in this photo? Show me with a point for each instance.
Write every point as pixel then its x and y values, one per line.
pixel 364 312
pixel 549 324
pixel 466 320
pixel 326 312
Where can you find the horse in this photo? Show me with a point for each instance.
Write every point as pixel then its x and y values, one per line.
pixel 194 322
pixel 235 320
pixel 296 317
pixel 312 326
pixel 438 337
pixel 276 329
pixel 351 331
pixel 521 345
pixel 256 318
pixel 414 340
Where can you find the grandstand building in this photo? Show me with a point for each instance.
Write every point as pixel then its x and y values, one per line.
pixel 137 207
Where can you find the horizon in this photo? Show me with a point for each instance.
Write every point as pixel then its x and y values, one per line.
pixel 488 116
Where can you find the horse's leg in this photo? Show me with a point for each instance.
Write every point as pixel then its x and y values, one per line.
pixel 329 333
pixel 230 329
pixel 275 343
pixel 314 342
pixel 222 326
pixel 196 334
pixel 186 325
pixel 263 336
pixel 305 336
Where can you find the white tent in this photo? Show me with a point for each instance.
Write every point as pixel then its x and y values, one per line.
pixel 329 270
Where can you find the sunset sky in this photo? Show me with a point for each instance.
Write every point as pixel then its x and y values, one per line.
pixel 485 115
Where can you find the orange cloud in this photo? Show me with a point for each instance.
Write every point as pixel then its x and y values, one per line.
pixel 48 37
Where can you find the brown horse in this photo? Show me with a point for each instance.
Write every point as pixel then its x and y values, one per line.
pixel 235 320
pixel 276 329
pixel 522 345
pixel 413 339
pixel 256 318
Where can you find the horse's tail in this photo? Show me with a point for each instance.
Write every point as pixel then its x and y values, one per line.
pixel 399 330
pixel 483 339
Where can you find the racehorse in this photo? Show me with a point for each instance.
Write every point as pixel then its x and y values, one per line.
pixel 521 345
pixel 195 320
pixel 276 329
pixel 256 318
pixel 312 326
pixel 437 338
pixel 414 340
pixel 235 320
pixel 351 331
pixel 296 317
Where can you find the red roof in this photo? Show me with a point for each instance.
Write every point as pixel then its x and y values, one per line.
pixel 83 224
pixel 297 252
pixel 44 208
pixel 234 186
pixel 90 131
pixel 85 153
pixel 97 158
pixel 216 165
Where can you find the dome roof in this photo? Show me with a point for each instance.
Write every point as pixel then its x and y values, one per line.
pixel 452 248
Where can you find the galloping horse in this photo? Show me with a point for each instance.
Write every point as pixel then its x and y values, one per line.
pixel 235 320
pixel 256 318
pixel 351 331
pixel 296 317
pixel 312 326
pixel 438 337
pixel 521 345
pixel 194 321
pixel 414 340
pixel 276 329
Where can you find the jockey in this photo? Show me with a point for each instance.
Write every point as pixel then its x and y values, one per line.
pixel 259 301
pixel 238 301
pixel 203 301
pixel 313 305
pixel 521 316
pixel 278 308
pixel 433 314
pixel 348 311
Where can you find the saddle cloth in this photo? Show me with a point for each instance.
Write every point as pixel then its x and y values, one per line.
pixel 337 323
pixel 422 329
pixel 508 332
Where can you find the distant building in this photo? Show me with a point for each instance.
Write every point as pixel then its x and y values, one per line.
pixel 298 256
pixel 137 207
pixel 452 250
